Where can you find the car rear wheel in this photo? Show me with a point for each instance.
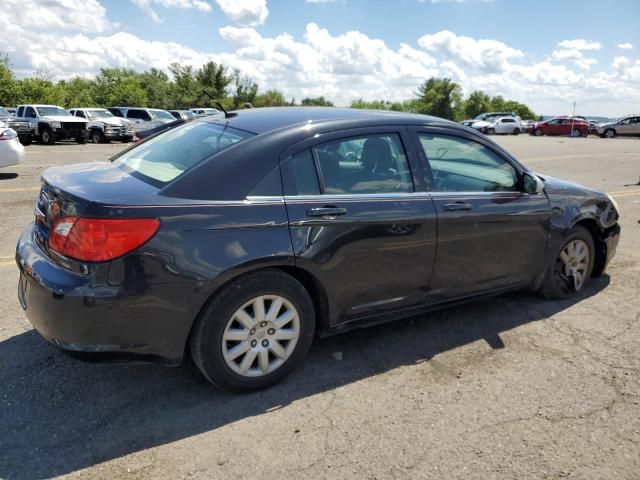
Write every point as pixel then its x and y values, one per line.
pixel 26 140
pixel 97 136
pixel 610 133
pixel 47 137
pixel 537 132
pixel 516 131
pixel 572 266
pixel 254 332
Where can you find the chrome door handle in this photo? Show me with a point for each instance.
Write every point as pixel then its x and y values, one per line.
pixel 458 206
pixel 326 212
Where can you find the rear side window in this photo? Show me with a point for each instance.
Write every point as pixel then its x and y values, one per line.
pixel 172 153
pixel 141 114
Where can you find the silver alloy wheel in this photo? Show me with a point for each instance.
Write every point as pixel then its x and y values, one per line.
pixel 610 133
pixel 575 260
pixel 260 336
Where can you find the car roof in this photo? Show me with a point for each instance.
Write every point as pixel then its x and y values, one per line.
pixel 88 108
pixel 262 120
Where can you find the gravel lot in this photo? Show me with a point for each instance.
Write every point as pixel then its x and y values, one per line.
pixel 512 387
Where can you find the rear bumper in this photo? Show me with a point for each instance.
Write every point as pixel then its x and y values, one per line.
pixel 82 313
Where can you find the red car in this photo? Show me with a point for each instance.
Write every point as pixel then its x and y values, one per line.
pixel 569 126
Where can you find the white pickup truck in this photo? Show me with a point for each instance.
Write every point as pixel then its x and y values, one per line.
pixel 103 125
pixel 50 123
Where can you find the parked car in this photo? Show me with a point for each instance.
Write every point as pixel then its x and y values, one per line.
pixel 486 117
pixel 504 126
pixel 199 112
pixel 11 150
pixel 12 110
pixel 104 126
pixel 21 127
pixel 142 134
pixel 561 126
pixel 143 118
pixel 50 123
pixel 182 114
pixel 239 238
pixel 629 125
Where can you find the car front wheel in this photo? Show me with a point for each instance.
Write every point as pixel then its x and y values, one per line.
pixel 610 133
pixel 47 137
pixel 254 332
pixel 572 266
pixel 537 132
pixel 97 136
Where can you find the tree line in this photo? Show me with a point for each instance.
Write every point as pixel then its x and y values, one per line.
pixel 183 88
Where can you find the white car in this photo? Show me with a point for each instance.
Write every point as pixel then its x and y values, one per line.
pixel 11 150
pixel 503 125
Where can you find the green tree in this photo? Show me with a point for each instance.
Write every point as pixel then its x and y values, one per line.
pixel 245 90
pixel 9 87
pixel 214 78
pixel 316 102
pixel 37 90
pixel 186 90
pixel 270 98
pixel 158 88
pixel 478 102
pixel 440 97
pixel 78 92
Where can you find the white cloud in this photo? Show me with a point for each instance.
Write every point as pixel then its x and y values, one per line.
pixel 245 12
pixel 580 44
pixel 76 15
pixel 341 67
pixel 625 46
pixel 148 6
pixel 487 55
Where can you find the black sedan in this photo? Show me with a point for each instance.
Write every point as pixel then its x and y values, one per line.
pixel 240 238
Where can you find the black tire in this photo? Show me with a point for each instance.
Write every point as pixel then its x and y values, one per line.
pixel 47 136
pixel 491 131
pixel 516 131
pixel 609 133
pixel 96 136
pixel 26 141
pixel 555 285
pixel 537 132
pixel 206 337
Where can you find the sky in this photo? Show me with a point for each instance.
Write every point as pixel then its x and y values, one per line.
pixel 547 54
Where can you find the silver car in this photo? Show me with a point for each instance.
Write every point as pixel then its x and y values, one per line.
pixel 629 125
pixel 504 126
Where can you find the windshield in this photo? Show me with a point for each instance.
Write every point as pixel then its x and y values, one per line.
pixel 4 112
pixel 52 111
pixel 161 114
pixel 91 114
pixel 172 153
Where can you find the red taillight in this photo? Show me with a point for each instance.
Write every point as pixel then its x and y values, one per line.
pixel 100 239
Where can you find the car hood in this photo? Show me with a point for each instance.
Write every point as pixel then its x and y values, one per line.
pixel 558 186
pixel 480 124
pixel 115 121
pixel 63 118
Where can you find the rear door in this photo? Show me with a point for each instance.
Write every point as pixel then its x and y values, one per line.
pixel 360 220
pixel 491 235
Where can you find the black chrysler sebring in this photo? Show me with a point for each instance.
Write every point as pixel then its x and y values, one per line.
pixel 239 238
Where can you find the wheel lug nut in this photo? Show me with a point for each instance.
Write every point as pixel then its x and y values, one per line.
pixel 271 331
pixel 263 324
pixel 265 343
pixel 254 343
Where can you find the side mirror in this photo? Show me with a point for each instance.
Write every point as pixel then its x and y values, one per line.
pixel 532 184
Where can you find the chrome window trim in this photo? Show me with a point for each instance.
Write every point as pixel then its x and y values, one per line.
pixel 356 196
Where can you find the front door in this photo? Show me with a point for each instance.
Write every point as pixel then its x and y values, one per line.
pixel 359 224
pixel 491 235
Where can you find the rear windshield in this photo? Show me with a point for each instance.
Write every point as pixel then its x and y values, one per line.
pixel 173 152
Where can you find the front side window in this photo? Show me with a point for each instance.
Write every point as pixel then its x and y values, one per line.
pixel 461 165
pixel 139 114
pixel 170 154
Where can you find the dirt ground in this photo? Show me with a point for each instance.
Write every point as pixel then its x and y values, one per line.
pixel 511 387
